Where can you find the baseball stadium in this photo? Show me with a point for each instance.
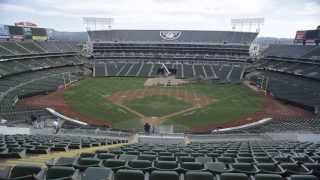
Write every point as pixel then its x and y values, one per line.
pixel 154 104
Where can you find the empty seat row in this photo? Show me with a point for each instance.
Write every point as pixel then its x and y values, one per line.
pixel 99 173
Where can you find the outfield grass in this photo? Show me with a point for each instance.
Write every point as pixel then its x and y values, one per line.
pixel 89 98
pixel 232 102
pixel 157 105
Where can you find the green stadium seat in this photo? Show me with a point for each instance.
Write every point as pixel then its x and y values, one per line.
pixel 217 167
pixel 60 173
pixel 92 173
pixel 164 175
pixel 227 160
pixel 125 174
pixel 247 168
pixel 196 175
pixel 166 165
pixel 127 157
pixel 62 161
pixel 192 166
pixel 234 176
pixel 268 177
pixel 26 172
pixel 270 168
pixel 303 177
pixel 292 168
pixel 104 156
pixel 140 165
pixel 148 157
pixel 114 164
pixel 245 160
pixel 186 159
pixel 203 160
pixel 84 163
pixel 166 158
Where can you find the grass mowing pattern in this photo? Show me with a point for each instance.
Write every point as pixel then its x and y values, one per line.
pixel 88 98
pixel 157 105
pixel 232 102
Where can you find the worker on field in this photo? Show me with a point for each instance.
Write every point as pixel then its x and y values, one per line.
pixel 147 128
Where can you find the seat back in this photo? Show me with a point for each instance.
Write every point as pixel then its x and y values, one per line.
pixel 88 161
pixel 97 173
pixel 303 177
pixel 234 176
pixel 166 164
pixel 149 157
pixel 192 166
pixel 198 175
pixel 268 177
pixel 128 157
pixel 164 175
pixel 140 164
pixel 216 166
pixel 21 171
pixel 103 156
pixel 125 174
pixel 114 163
pixel 59 172
pixel 64 161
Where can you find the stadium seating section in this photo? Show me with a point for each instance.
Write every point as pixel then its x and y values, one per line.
pixel 223 71
pixel 20 146
pixel 34 47
pixel 291 73
pixel 213 55
pixel 29 68
pixel 223 62
pixel 226 160
pixel 293 51
pixel 285 124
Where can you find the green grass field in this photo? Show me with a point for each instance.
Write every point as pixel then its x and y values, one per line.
pixel 89 99
pixel 157 105
pixel 231 102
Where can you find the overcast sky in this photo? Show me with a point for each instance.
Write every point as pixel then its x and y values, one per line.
pixel 282 17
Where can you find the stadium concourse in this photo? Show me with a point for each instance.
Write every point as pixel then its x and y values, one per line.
pixel 278 148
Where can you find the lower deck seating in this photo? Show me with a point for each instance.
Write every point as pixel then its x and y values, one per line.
pixel 20 146
pixel 298 124
pixel 295 67
pixel 226 160
pixel 291 88
pixel 15 87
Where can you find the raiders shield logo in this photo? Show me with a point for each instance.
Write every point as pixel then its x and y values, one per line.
pixel 170 35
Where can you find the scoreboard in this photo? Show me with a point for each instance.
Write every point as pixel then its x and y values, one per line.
pixel 16 33
pixel 39 34
pixel 308 36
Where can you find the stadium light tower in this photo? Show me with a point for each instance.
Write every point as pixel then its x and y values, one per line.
pixel 95 23
pixel 247 22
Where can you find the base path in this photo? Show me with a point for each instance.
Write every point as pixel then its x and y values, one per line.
pixel 132 111
pixel 195 99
